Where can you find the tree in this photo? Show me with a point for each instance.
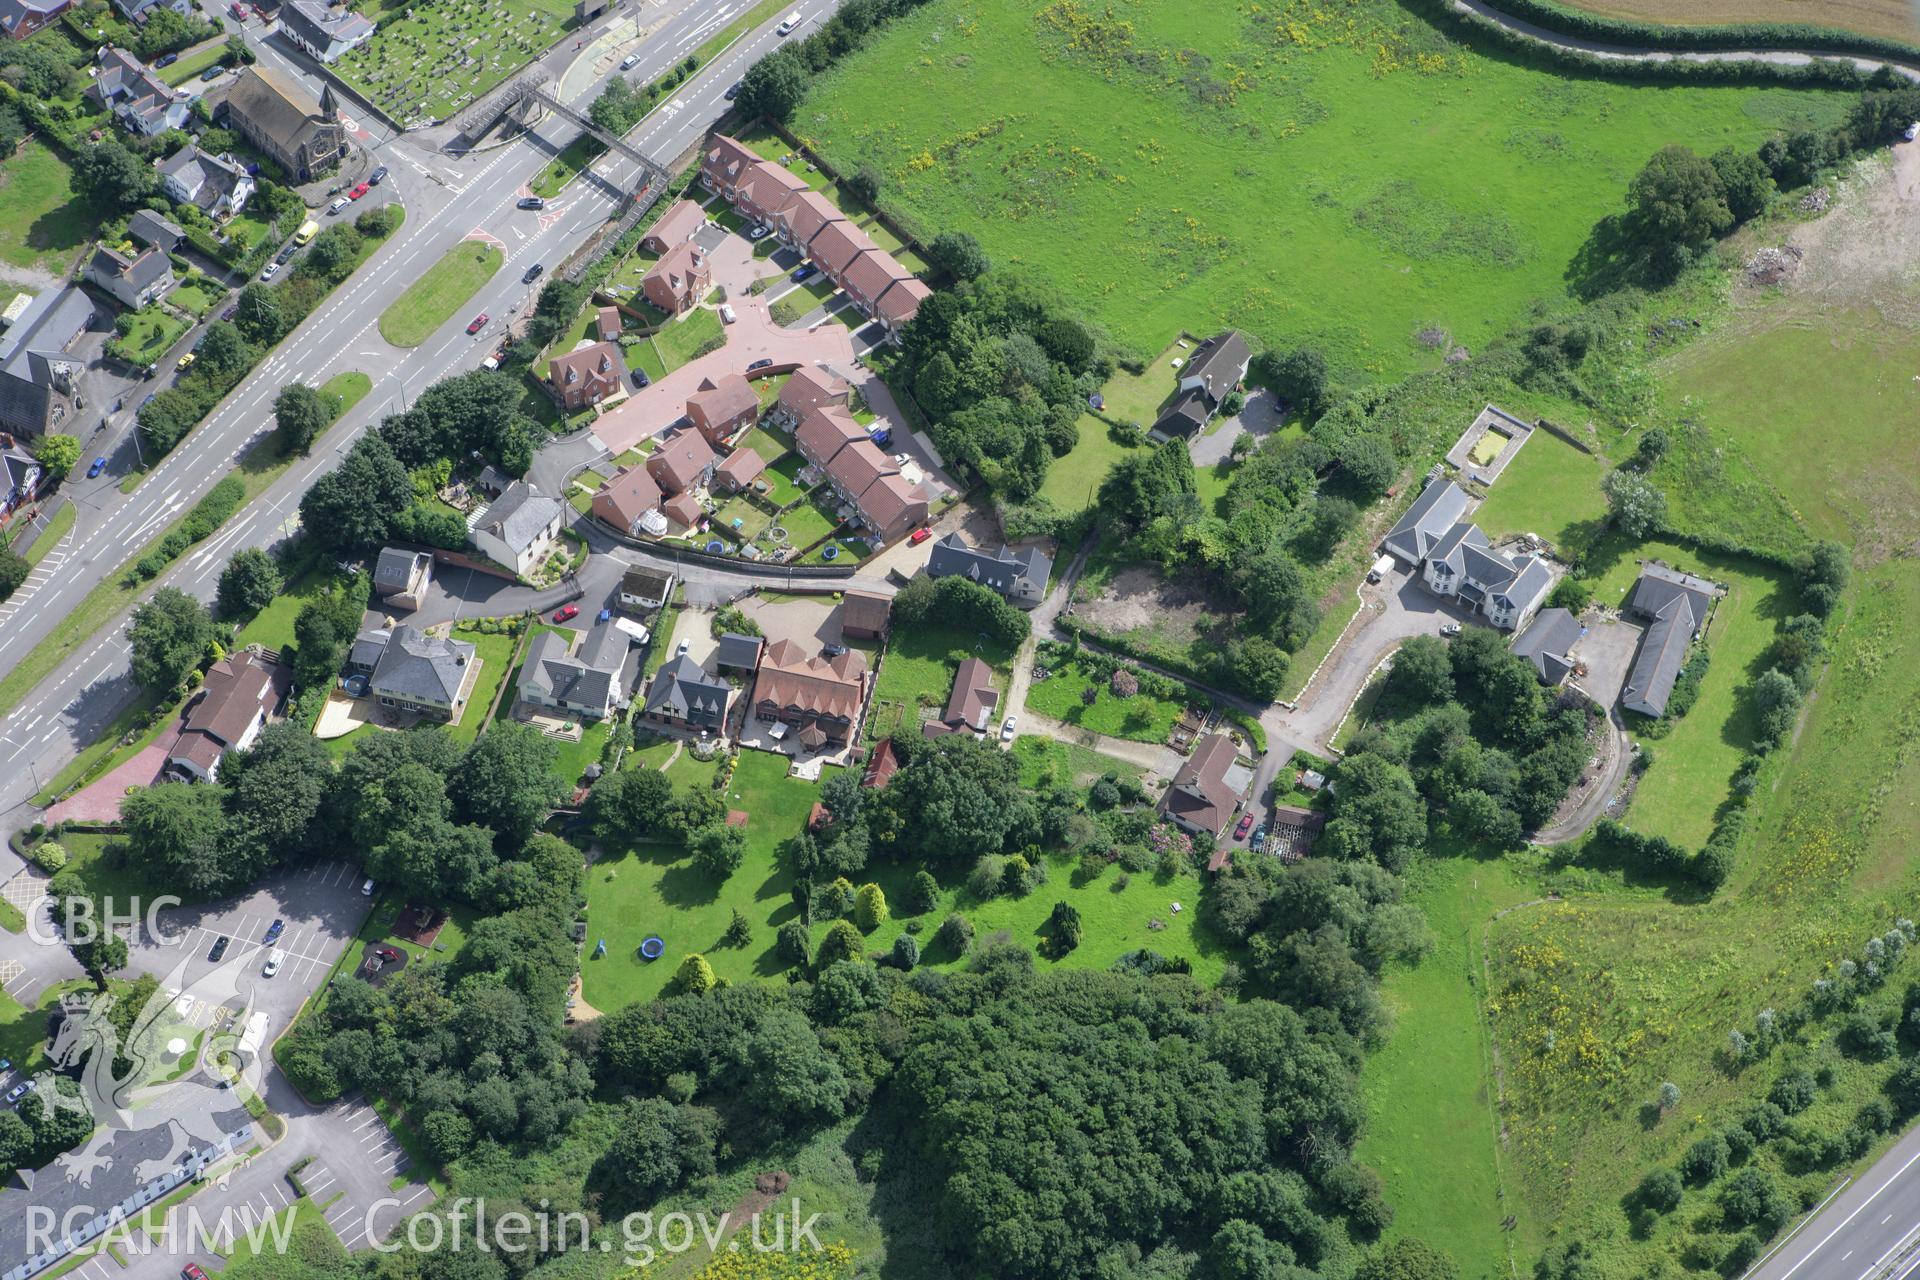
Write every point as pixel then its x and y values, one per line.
pixel 1063 927
pixel 790 1075
pixel 658 1147
pixel 1706 1159
pixel 695 976
pixel 905 953
pixel 792 943
pixel 180 830
pixel 773 86
pixel 224 352
pixel 959 255
pixel 956 935
pixel 869 908
pixel 249 583
pixel 171 633
pixel 1746 181
pixel 507 781
pixel 1634 505
pixel 843 942
pixel 1777 700
pixel 1679 200
pixel 1368 462
pixel 1660 1191
pixel 1423 670
pixel 1828 569
pixel 350 509
pixel 1298 377
pixel 331 255
pixel 719 849
pixel 14 570
pixel 57 454
pixel 302 414
pixel 1407 1258
pixel 625 806
pixel 864 185
pixel 113 176
pixel 924 893
pixel 1669 1096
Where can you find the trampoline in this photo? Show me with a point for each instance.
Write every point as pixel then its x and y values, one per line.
pixel 830 553
pixel 653 948
pixel 715 547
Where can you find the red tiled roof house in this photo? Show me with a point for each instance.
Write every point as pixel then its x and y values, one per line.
pixel 587 376
pixel 674 227
pixel 824 433
pixel 738 470
pixel 719 409
pixel 626 498
pixel 679 280
pixel 808 389
pixel 682 464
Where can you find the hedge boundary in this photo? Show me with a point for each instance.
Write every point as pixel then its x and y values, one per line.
pixel 1787 37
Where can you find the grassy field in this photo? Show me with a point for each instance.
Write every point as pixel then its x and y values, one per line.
pixel 1890 18
pixel 430 301
pixel 1141 718
pixel 422 65
pixel 47 223
pixel 563 168
pixel 1073 481
pixel 1347 177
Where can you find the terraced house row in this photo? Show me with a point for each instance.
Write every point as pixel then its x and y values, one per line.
pixel 808 223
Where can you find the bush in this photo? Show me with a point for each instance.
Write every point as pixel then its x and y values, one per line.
pixel 869 908
pixel 1705 1160
pixel 1660 1191
pixel 792 943
pixel 906 952
pixel 923 895
pixel 956 934
pixel 1793 1092
pixel 48 855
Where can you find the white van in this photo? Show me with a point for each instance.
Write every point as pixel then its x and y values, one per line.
pixel 366 889
pixel 274 959
pixel 792 23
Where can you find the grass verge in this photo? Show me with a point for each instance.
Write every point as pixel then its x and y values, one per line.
pixel 430 301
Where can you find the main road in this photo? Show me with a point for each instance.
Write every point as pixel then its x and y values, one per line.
pixel 1870 1230
pixel 449 199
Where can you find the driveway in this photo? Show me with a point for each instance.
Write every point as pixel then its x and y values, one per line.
pixel 100 800
pixel 1260 418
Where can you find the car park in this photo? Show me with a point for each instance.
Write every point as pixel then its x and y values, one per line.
pixel 360 191
pixel 377 177
pixel 274 959
pixel 726 313
pixel 805 272
pixel 566 613
pixel 479 322
pixel 99 465
pixel 1245 825
pixel 531 274
pixel 1006 730
pixel 531 202
pixel 760 364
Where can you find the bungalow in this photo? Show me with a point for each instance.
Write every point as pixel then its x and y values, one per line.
pixel 1675 606
pixel 820 697
pixel 235 701
pixel 322 30
pixel 1019 576
pixel 581 379
pixel 824 432
pixel 674 227
pixel 218 185
pixel 132 282
pixel 407 669
pixel 738 471
pixel 1209 788
pixel 683 696
pixel 629 501
pixel 593 681
pixel 1548 644
pixel 140 100
pixel 645 589
pixel 21 18
pixel 971 704
pixel 401 578
pixel 737 654
pixel 809 388
pixel 1214 369
pixel 676 283
pixel 718 409
pixel 864 615
pixel 519 527
pixel 682 463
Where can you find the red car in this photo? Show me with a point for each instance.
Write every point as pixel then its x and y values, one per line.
pixel 1246 825
pixel 359 191
pixel 192 1271
pixel 566 613
pixel 479 322
pixel 920 535
pixel 240 11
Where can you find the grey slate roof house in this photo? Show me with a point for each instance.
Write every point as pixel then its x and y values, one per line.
pixel 37 376
pixel 148 227
pixel 324 32
pixel 592 681
pixel 218 184
pixel 519 527
pixel 1507 589
pixel 140 100
pixel 644 589
pixel 21 18
pixel 1675 605
pixel 1020 576
pixel 1214 369
pixel 400 577
pixel 1548 644
pixel 132 282
pixel 1438 508
pixel 409 669
pixel 138 11
pixel 738 653
pixel 684 696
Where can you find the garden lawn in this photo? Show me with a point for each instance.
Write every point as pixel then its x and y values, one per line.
pixel 770 445
pixel 1141 718
pixel 918 670
pixel 1550 488
pixel 152 333
pixel 47 223
pixel 495 654
pixel 1073 482
pixel 1355 215
pixel 680 341
pixel 431 301
pixel 414 68
pixel 197 296
pixel 807 523
pixel 783 480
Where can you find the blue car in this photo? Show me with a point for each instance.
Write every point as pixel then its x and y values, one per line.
pixel 99 465
pixel 274 931
pixel 806 272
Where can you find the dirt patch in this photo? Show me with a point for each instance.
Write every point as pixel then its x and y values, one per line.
pixel 1140 598
pixel 1865 249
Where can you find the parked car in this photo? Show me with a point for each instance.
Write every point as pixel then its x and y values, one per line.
pixel 19 1091
pixel 272 966
pixel 213 72
pixel 566 613
pixel 166 60
pixel 377 177
pixel 1449 629
pixel 219 948
pixel 6 1065
pixel 760 364
pixel 192 1271
pixel 1006 730
pixel 366 888
pixel 629 62
pixel 185 361
pixel 805 272
pixel 230 312
pixel 240 12
pixel 726 313
pixel 286 254
pixel 733 90
pixel 919 536
pixel 640 378
pixel 1246 825
pixel 274 931
pixel 184 1006
pixel 99 465
pixel 531 202
pixel 479 322
pixel 758 231
pixel 531 274
pixel 1259 839
pixel 681 652
pixel 360 191
pixel 833 650
pixel 338 205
